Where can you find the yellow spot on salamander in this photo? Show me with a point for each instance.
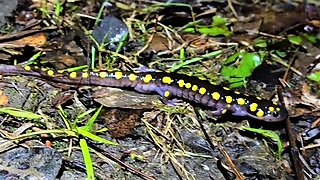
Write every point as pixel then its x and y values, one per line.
pixel 166 94
pixel 241 101
pixel 147 78
pixel 118 75
pixel 103 74
pixel 237 92
pixel 44 69
pixel 73 75
pixel 96 70
pixel 194 88
pixel 228 99
pixel 188 85
pixel 27 68
pixel 259 98
pixel 253 107
pixel 225 88
pixel 202 91
pixel 278 109
pixel 167 80
pixel 60 71
pixel 202 78
pixel 213 83
pixel 50 72
pixel 260 113
pixel 223 111
pixel 181 83
pixel 35 67
pixel 271 109
pixel 275 103
pixel 85 75
pixel 228 106
pixel 132 77
pixel 216 96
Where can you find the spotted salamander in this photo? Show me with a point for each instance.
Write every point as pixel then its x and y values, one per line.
pixel 218 99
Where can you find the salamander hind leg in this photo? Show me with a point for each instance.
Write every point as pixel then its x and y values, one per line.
pixel 216 112
pixel 218 109
pixel 144 88
pixel 238 110
pixel 165 97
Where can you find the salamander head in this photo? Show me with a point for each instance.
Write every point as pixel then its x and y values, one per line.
pixel 269 112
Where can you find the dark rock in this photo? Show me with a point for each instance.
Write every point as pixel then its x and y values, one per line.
pixel 6 7
pixel 21 163
pixel 110 32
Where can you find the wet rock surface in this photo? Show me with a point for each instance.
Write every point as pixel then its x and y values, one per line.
pixel 24 163
pixel 6 8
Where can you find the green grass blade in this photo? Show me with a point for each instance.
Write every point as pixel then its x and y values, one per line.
pixel 19 113
pixel 92 119
pixel 182 64
pixel 54 131
pixel 269 134
pixel 64 117
pixel 83 115
pixel 58 8
pixel 87 158
pixel 95 137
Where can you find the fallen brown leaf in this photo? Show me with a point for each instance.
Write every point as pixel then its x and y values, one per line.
pixel 35 40
pixel 4 100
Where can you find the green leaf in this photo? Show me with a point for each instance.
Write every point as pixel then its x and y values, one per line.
pixel 315 76
pixel 214 31
pixel 242 66
pixel 189 30
pixel 218 20
pixel 233 57
pixel 281 54
pixel 261 43
pixel 19 113
pixel 218 27
pixel 237 82
pixel 249 62
pixel 87 159
pixel 269 134
pixel 295 39
pixel 313 38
